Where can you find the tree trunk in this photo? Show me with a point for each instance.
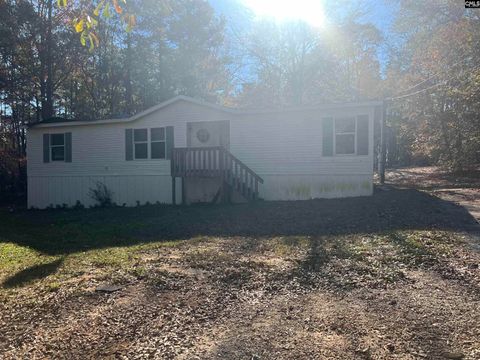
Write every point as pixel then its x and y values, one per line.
pixel 47 81
pixel 128 80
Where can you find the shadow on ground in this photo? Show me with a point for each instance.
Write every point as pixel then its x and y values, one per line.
pixel 308 279
pixel 32 273
pixel 63 232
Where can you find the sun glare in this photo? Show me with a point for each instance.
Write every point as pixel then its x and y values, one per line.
pixel 310 11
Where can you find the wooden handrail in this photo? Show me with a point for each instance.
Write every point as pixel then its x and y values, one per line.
pixel 241 163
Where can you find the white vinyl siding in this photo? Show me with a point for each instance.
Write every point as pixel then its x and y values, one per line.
pixel 284 148
pixel 291 144
pixel 99 153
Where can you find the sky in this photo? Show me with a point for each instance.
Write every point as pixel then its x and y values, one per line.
pixel 240 13
pixel 376 11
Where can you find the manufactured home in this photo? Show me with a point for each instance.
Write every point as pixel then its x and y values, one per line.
pixel 187 151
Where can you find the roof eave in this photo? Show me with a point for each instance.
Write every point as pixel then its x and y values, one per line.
pixel 206 104
pixel 139 115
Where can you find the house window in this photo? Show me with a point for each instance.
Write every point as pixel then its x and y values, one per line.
pixel 345 136
pixel 140 143
pixel 157 143
pixel 57 147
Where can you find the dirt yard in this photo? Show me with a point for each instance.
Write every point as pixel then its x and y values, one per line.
pixel 462 189
pixel 393 276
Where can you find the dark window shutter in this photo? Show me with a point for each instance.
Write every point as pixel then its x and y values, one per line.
pixel 362 135
pixel 128 144
pixel 46 148
pixel 327 138
pixel 68 147
pixel 170 142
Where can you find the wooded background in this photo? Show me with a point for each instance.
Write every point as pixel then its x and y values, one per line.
pixel 427 67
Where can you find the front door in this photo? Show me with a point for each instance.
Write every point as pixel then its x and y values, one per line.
pixel 208 133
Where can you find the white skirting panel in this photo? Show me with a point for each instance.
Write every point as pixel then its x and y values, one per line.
pixel 45 191
pixel 305 187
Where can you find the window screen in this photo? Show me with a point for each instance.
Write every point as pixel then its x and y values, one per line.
pixel 57 147
pixel 157 143
pixel 345 136
pixel 140 141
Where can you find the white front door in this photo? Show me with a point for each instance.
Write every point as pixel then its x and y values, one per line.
pixel 208 133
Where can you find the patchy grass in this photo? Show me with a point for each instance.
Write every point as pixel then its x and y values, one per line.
pixel 284 246
pixel 389 276
pixel 22 265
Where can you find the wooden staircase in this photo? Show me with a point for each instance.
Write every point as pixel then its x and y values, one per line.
pixel 215 162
